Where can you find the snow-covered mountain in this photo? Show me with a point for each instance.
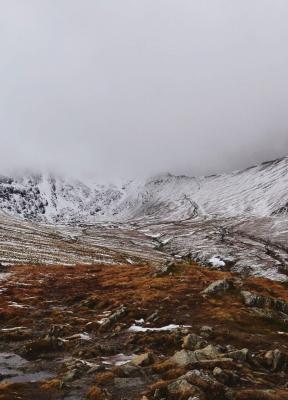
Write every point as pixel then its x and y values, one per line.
pixel 256 191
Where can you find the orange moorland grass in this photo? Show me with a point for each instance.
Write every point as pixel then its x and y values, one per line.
pixel 103 377
pixel 75 297
pixel 95 393
pixel 108 286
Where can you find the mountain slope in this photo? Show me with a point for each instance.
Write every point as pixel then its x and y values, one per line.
pixel 257 191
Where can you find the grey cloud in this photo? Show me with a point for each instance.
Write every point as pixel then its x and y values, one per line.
pixel 131 88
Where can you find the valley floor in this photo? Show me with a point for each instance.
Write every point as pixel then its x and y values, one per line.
pixel 135 332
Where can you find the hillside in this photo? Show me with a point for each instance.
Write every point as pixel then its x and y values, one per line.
pixel 258 191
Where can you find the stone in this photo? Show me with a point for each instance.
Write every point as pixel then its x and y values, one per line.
pixel 113 318
pixel 238 355
pixel 205 382
pixel 186 357
pixel 181 387
pixel 183 357
pixel 275 360
pixel 206 331
pixel 217 371
pixel 142 360
pixel 39 346
pixel 251 299
pixel 255 300
pixel 123 383
pixel 70 375
pixel 217 287
pixel 193 342
pixel 165 269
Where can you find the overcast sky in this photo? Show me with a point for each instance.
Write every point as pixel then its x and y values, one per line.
pixel 130 88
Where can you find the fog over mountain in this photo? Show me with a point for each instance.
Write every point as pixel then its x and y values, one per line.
pixel 127 89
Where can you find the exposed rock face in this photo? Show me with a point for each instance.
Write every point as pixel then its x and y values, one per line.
pixel 255 300
pixel 218 287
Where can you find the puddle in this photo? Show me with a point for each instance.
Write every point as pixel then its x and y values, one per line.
pixel 34 377
pixel 10 370
pixel 11 360
pixel 9 364
pixel 118 359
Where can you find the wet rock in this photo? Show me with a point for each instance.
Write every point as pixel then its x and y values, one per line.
pixel 218 287
pixel 142 360
pixel 193 342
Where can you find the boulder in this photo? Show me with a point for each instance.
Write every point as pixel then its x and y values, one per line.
pixel 193 342
pixel 182 388
pixel 276 360
pixel 238 355
pixel 206 331
pixel 205 382
pixel 255 300
pixel 113 318
pixel 186 357
pixel 183 357
pixel 142 360
pixel 218 287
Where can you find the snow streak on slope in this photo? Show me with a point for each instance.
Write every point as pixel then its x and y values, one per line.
pixel 23 242
pixel 258 191
pixel 236 221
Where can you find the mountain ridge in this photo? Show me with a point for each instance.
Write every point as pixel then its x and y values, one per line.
pixel 255 191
